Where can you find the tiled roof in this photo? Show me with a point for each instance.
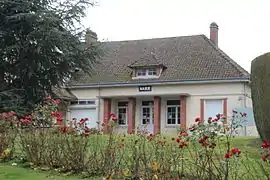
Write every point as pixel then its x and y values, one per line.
pixel 63 94
pixel 185 58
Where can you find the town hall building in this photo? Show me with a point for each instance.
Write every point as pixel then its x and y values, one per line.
pixel 160 84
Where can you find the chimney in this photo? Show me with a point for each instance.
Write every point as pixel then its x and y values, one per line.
pixel 90 37
pixel 214 33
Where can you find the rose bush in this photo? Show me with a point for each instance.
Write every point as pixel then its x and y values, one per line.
pixel 203 151
pixel 47 140
pixel 8 132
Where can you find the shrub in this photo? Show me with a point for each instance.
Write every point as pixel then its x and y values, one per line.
pixel 8 132
pixel 46 140
pixel 203 151
pixel 260 86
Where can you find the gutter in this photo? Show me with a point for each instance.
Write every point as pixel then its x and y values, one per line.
pixel 130 84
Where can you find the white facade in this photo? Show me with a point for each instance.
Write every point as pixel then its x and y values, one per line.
pixel 236 93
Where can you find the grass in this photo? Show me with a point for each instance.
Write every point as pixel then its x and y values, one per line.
pixel 249 146
pixel 8 172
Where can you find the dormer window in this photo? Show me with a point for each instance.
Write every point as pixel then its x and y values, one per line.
pixel 152 72
pixel 146 72
pixel 141 72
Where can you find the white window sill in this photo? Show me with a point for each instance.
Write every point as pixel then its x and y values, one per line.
pixel 145 77
pixel 172 125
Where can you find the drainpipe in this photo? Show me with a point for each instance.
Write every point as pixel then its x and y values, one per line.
pixel 98 116
pixel 245 95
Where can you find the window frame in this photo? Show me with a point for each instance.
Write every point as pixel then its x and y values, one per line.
pixel 153 72
pixel 146 72
pixel 122 107
pixel 83 102
pixel 142 72
pixel 212 99
pixel 177 112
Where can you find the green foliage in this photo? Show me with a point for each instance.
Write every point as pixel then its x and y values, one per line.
pixel 260 92
pixel 8 132
pixel 41 46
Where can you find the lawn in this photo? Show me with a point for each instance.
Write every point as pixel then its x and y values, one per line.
pixel 8 172
pixel 248 145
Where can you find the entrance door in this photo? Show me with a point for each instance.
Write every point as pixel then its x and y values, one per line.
pixel 147 116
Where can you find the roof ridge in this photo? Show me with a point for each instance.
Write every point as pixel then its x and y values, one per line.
pixel 155 38
pixel 226 57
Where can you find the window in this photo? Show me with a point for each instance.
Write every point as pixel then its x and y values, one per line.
pixel 212 107
pixel 144 72
pixel 152 72
pixel 83 102
pixel 173 112
pixel 122 112
pixel 141 72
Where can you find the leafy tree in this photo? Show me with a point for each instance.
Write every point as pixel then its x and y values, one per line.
pixel 41 46
pixel 260 92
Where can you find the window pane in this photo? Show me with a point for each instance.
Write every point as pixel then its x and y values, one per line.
pixel 146 115
pixel 73 102
pixel 91 102
pixel 141 72
pixel 171 115
pixel 152 72
pixel 82 102
pixel 122 115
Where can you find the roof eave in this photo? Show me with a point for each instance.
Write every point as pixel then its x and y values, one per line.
pixel 183 82
pixel 147 65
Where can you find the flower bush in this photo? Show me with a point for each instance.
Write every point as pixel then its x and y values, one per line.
pixel 47 140
pixel 8 132
pixel 203 151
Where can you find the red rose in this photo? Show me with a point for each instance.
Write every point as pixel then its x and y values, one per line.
pixel 197 119
pixel 112 114
pixel 266 144
pixel 227 155
pixel 264 158
pixel 235 151
pixel 63 129
pixel 114 118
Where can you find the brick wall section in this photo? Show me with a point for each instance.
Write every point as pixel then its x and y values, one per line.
pixel 131 114
pixel 157 104
pixel 107 111
pixel 225 110
pixel 183 112
pixel 202 110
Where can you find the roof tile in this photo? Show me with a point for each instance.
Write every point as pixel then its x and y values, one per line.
pixel 186 58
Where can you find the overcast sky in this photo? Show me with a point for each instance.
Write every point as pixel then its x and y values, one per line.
pixel 244 28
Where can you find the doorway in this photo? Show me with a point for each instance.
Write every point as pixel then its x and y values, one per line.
pixel 147 116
